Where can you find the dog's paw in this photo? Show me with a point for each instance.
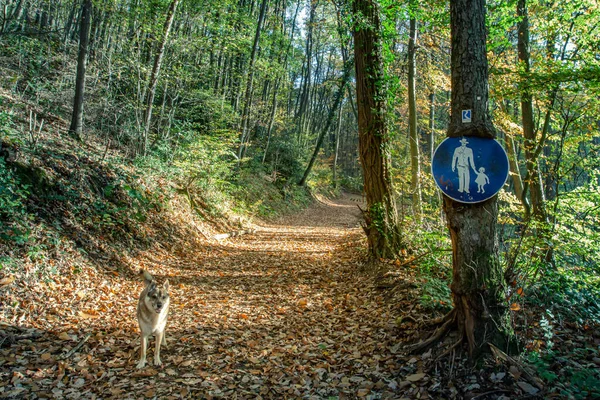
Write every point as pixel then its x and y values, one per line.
pixel 157 362
pixel 141 364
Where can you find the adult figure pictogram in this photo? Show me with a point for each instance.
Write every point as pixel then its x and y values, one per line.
pixel 461 161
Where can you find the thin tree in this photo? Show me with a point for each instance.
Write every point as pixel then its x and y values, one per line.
pixel 415 163
pixel 381 218
pixel 155 73
pixel 84 35
pixel 332 111
pixel 248 96
pixel 536 208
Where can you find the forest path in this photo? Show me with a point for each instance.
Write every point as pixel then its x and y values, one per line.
pixel 284 312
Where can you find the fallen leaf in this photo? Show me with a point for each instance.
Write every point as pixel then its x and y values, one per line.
pixel 527 388
pixel 88 315
pixel 7 281
pixel 415 377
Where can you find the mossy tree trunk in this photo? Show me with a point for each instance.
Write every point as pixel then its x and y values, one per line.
pixel 381 220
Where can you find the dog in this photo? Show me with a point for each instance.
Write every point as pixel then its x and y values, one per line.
pixel 152 313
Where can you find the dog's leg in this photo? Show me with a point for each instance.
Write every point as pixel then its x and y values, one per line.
pixel 159 339
pixel 164 339
pixel 142 362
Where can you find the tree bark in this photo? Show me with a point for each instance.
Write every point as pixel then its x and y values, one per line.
pixel 155 73
pixel 84 35
pixel 381 218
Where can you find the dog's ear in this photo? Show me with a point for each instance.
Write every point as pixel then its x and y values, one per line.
pixel 166 285
pixel 147 277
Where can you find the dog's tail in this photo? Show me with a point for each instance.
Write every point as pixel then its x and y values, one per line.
pixel 148 279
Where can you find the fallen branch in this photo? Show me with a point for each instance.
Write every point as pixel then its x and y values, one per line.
pixel 74 349
pixel 11 338
pixel 412 260
pixel 502 355
pixel 222 236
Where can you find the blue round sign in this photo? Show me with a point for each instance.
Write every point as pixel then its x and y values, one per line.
pixel 470 169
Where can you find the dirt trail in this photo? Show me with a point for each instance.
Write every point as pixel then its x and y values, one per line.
pixel 281 313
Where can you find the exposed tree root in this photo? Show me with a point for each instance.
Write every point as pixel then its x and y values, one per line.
pixel 476 332
pixel 449 319
pixel 440 320
pixel 452 348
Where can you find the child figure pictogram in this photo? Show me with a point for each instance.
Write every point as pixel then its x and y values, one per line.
pixel 482 180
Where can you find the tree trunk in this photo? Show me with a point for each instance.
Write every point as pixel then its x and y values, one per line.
pixel 338 99
pixel 533 148
pixel 84 34
pixel 514 169
pixel 477 288
pixel 155 73
pixel 304 99
pixel 431 141
pixel 381 219
pixel 271 121
pixel 535 186
pixel 248 96
pixel 337 148
pixel 415 164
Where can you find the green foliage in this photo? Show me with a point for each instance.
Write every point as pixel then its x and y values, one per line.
pixel 569 293
pixel 207 160
pixel 436 294
pixel 570 287
pixel 434 265
pixel 13 213
pixel 575 382
pixel 352 183
pixel 255 195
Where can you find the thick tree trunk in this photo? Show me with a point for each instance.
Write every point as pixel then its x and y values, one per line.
pixel 415 185
pixel 84 34
pixel 381 219
pixel 155 73
pixel 480 307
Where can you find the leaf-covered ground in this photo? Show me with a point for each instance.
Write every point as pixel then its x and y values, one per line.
pixel 285 312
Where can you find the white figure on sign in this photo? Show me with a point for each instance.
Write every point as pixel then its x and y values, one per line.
pixel 462 160
pixel 481 180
